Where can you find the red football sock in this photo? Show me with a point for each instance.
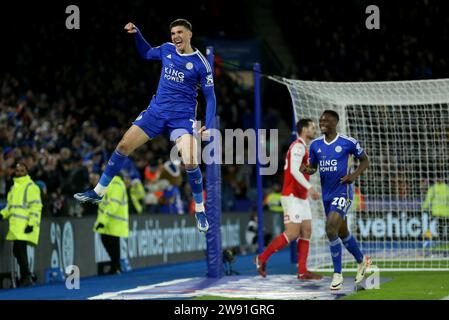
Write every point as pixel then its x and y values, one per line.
pixel 303 253
pixel 278 243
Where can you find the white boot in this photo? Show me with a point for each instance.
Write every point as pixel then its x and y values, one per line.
pixel 361 269
pixel 337 281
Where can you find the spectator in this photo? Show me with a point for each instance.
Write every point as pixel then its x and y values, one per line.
pixel 251 235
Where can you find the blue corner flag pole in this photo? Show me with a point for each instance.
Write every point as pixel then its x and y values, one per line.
pixel 257 102
pixel 213 202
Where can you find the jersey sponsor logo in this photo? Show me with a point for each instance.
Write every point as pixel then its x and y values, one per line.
pixel 189 65
pixel 171 74
pixel 338 149
pixel 328 165
pixel 169 56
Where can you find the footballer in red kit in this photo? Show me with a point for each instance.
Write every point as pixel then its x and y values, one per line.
pixel 295 203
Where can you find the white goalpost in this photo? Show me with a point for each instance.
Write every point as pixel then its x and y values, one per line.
pixel 404 128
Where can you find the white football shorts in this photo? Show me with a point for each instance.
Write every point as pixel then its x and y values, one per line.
pixel 295 209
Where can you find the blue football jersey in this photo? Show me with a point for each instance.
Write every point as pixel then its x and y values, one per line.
pixel 334 162
pixel 181 77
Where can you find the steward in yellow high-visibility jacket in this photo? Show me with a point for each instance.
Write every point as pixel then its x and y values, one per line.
pixel 23 210
pixel 137 194
pixel 112 220
pixel 437 200
pixel 273 201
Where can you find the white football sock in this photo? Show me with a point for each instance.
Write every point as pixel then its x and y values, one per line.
pixel 199 207
pixel 100 190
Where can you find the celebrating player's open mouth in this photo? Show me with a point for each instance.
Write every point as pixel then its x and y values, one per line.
pixel 178 43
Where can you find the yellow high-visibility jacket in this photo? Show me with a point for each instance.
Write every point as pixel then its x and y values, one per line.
pixel 113 210
pixel 24 209
pixel 273 201
pixel 437 200
pixel 137 193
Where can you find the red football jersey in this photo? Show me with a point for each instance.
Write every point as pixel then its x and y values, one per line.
pixel 297 154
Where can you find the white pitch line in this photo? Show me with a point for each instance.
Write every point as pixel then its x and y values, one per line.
pixel 117 295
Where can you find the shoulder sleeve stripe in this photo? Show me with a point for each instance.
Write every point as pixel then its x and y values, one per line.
pixel 205 62
pixel 349 138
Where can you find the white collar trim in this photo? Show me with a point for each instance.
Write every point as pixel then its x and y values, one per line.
pixel 184 54
pixel 329 143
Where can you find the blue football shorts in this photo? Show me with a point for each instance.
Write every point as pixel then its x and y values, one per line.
pixel 339 203
pixel 153 122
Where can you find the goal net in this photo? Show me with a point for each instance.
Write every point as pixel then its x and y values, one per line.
pixel 404 128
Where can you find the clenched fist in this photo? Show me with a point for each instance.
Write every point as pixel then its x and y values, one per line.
pixel 130 27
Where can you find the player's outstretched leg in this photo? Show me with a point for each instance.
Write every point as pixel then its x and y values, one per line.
pixel 132 139
pixel 187 144
pixel 332 227
pixel 352 246
pixel 196 183
pixel 113 167
pixel 277 244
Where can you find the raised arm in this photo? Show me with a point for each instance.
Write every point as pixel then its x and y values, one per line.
pixel 146 51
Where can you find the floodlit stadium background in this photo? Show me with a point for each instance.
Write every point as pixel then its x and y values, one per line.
pixel 68 95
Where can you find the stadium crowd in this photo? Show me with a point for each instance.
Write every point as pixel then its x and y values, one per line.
pixel 408 45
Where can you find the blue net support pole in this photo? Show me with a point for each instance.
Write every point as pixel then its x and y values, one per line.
pixel 213 203
pixel 258 112
pixel 293 244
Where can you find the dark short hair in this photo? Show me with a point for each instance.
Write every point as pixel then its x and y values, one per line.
pixel 332 113
pixel 21 163
pixel 181 22
pixel 303 123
